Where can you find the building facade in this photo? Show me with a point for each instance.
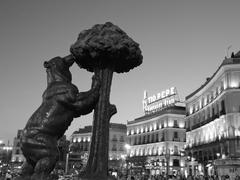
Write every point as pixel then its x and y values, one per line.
pixel 5 157
pixel 213 122
pixel 17 155
pixel 18 158
pixel 81 140
pixel 63 147
pixel 157 139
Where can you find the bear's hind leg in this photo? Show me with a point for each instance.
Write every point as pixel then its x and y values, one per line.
pixel 26 172
pixel 43 168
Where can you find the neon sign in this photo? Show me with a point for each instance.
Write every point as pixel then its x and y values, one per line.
pixel 160 100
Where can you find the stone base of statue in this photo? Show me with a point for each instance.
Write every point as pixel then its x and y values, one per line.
pixel 50 177
pixel 95 178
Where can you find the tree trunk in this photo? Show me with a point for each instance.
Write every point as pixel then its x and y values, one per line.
pixel 97 165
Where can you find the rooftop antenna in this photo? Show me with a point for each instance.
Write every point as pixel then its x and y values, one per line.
pixel 228 48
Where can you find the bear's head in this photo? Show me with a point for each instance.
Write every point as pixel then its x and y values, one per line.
pixel 58 70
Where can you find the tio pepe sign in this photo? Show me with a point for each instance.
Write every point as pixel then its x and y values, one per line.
pixel 159 101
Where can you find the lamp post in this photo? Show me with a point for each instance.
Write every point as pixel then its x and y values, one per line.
pixel 67 159
pixel 127 147
pixel 123 161
pixel 216 164
pixel 167 156
pixel 66 164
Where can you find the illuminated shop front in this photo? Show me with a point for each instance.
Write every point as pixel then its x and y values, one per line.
pixel 213 120
pixel 157 138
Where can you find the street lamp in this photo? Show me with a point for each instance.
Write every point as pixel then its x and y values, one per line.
pixel 127 147
pixel 67 159
pixel 123 161
pixel 167 156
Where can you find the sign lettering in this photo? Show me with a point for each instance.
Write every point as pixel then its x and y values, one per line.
pixel 160 100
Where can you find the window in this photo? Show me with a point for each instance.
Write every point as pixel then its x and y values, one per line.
pixel 121 148
pixel 221 87
pixel 217 107
pixel 163 162
pixel 175 123
pixel 19 134
pixel 130 141
pixel 146 129
pixel 85 147
pixel 148 138
pixel 163 137
pixel 163 149
pixel 210 97
pixel 176 162
pixel 196 107
pixel 114 137
pixel 153 138
pixel 208 113
pixel 81 147
pixel 223 111
pixel 162 124
pixel 140 140
pixel 121 139
pixel 175 134
pixel 156 139
pixel 17 151
pixel 175 150
pixel 144 139
pixel 114 147
pixel 203 116
pixel 135 140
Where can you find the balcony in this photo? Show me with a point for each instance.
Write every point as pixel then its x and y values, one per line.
pixel 114 139
pixel 175 154
pixel 216 116
pixel 222 112
pixel 176 139
pixel 206 121
pixel 121 140
pixel 114 149
pixel 195 126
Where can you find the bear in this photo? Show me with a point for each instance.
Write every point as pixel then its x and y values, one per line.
pixel 61 103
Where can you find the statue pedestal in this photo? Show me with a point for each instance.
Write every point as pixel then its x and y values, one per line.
pixel 94 178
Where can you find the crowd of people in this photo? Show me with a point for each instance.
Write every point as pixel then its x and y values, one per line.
pixel 177 177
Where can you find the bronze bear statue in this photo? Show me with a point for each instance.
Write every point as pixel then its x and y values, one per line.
pixel 61 102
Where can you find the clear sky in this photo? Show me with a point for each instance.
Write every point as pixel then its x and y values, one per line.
pixel 182 41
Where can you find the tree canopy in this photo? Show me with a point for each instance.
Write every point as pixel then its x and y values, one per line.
pixel 106 46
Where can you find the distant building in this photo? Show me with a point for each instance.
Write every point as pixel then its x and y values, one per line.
pixel 5 153
pixel 213 122
pixel 157 139
pixel 17 155
pixel 63 147
pixel 1 150
pixel 80 145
